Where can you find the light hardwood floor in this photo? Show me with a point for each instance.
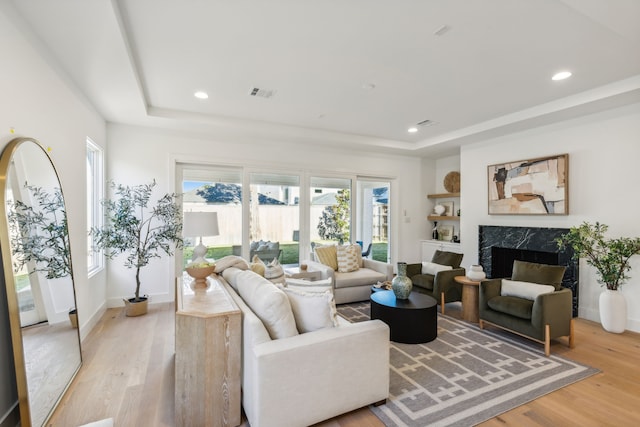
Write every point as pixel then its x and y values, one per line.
pixel 128 375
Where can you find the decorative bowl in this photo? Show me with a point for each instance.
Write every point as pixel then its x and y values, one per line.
pixel 200 274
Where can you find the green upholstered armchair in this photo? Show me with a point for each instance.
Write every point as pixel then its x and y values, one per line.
pixel 541 317
pixel 441 285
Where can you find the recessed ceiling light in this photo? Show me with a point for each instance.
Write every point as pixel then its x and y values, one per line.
pixel 412 130
pixel 201 95
pixel 561 75
pixel 368 86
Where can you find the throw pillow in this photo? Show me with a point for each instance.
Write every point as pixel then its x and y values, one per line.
pixel 543 274
pixel 274 271
pixel 327 255
pixel 447 258
pixel 315 286
pixel 312 310
pixel 347 256
pixel 269 303
pixel 257 266
pixel 230 261
pixel 525 290
pixel 433 268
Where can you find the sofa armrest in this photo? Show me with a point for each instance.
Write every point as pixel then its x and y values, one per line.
pixel 443 280
pixel 379 266
pixel 488 289
pixel 326 367
pixel 554 309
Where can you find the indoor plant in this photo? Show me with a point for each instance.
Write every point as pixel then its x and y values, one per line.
pixel 610 257
pixel 140 231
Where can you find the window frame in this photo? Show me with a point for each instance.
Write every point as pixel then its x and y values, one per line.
pixel 95 210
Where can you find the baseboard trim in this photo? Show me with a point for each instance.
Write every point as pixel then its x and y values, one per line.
pixel 93 320
pixel 12 417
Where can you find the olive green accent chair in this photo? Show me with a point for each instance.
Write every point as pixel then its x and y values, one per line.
pixel 548 316
pixel 440 286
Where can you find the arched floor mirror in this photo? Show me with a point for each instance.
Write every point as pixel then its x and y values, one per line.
pixel 36 258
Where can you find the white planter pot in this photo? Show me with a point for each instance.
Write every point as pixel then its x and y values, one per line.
pixel 613 311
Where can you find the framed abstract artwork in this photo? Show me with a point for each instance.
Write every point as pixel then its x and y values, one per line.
pixel 530 187
pixel 445 232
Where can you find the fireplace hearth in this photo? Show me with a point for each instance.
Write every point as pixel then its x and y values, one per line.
pixel 499 246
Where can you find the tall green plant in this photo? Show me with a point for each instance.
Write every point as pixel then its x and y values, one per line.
pixel 334 222
pixel 134 228
pixel 39 233
pixel 610 257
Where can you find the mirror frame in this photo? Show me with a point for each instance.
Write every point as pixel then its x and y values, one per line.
pixel 12 296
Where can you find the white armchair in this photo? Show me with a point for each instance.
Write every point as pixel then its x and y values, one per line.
pixel 356 285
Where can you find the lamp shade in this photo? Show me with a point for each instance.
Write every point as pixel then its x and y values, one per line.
pixel 198 224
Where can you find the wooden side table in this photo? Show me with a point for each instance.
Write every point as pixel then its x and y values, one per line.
pixel 207 362
pixel 470 298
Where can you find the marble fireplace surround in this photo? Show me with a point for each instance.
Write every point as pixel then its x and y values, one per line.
pixel 528 239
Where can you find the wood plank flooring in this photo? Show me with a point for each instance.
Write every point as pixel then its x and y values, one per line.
pixel 128 375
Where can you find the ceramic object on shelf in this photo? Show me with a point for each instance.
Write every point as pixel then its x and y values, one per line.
pixel 439 209
pixel 476 273
pixel 401 285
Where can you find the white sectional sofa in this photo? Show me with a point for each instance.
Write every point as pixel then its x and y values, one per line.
pixel 310 377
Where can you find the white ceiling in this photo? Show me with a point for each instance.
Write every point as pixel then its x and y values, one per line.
pixel 357 72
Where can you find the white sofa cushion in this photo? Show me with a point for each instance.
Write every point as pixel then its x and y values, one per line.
pixel 525 290
pixel 348 257
pixel 433 268
pixel 269 303
pixel 313 309
pixel 314 286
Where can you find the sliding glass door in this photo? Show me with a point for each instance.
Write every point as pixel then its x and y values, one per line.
pixel 373 218
pixel 329 210
pixel 274 217
pixel 214 189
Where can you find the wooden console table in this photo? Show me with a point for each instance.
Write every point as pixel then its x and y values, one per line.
pixel 207 362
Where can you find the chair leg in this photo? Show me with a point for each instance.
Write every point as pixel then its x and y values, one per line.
pixel 547 340
pixel 442 302
pixel 481 324
pixel 571 335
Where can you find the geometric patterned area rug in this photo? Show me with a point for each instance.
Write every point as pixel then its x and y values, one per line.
pixel 467 375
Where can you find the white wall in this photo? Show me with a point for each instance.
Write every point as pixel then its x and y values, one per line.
pixel 604 186
pixel 36 103
pixel 138 155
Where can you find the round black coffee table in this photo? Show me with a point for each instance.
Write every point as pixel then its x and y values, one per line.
pixel 411 321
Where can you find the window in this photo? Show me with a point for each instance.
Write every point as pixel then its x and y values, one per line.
pixel 213 189
pixel 330 210
pixel 274 217
pixel 95 194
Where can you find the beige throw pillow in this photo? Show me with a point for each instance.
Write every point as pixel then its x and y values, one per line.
pixel 312 310
pixel 269 303
pixel 274 272
pixel 257 266
pixel 433 268
pixel 327 255
pixel 348 258
pixel 525 290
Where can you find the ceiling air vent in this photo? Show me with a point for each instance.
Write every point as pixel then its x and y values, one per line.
pixel 426 123
pixel 262 93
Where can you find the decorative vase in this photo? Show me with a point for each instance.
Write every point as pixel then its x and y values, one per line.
pixel 476 274
pixel 401 285
pixel 439 209
pixel 200 274
pixel 613 311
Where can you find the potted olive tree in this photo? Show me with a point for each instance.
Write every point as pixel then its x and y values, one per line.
pixel 140 231
pixel 610 257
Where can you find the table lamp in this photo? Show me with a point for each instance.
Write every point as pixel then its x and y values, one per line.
pixel 198 224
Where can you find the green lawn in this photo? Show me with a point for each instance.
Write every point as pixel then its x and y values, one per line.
pixel 290 252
